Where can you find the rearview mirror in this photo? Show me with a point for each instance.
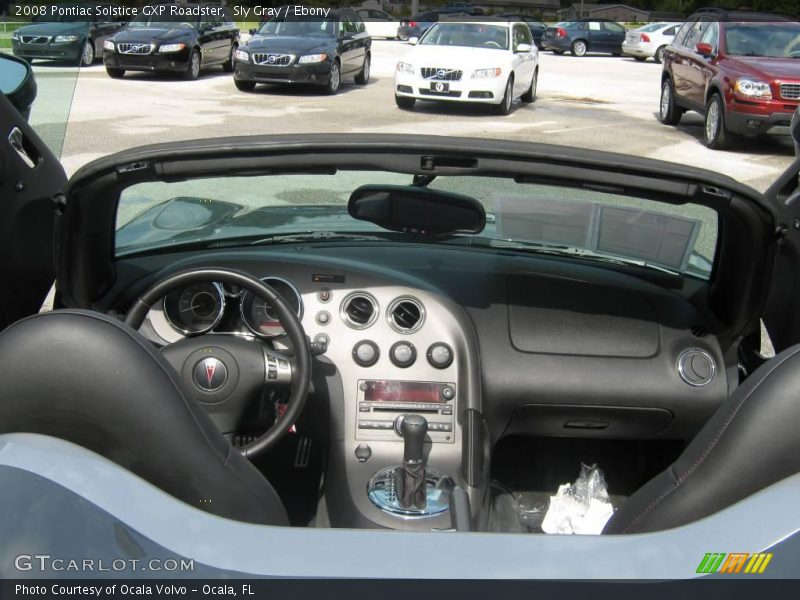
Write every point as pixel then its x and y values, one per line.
pixel 418 210
pixel 17 83
pixel 413 40
pixel 523 48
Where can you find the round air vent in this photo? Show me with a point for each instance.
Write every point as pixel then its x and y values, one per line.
pixel 406 315
pixel 696 367
pixel 359 310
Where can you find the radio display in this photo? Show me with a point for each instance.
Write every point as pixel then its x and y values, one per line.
pixel 402 391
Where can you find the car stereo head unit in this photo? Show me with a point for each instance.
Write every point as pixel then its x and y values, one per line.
pixel 381 402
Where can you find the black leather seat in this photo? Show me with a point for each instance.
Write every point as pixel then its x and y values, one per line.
pixel 89 379
pixel 750 443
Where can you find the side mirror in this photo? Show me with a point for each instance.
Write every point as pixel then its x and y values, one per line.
pixel 253 31
pixel 794 130
pixel 523 48
pixel 417 210
pixel 704 49
pixel 17 83
pixel 413 40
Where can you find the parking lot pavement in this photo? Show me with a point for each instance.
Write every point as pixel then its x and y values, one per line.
pixel 598 102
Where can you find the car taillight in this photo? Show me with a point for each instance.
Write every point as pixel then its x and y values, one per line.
pixel 412 23
pixel 561 33
pixel 644 38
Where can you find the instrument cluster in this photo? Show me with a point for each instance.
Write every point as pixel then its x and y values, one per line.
pixel 213 307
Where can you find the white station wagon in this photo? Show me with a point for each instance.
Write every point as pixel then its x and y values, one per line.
pixel 485 62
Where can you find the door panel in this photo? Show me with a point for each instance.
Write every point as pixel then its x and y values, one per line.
pixel 30 175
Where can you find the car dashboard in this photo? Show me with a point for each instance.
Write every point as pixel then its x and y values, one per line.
pixel 482 344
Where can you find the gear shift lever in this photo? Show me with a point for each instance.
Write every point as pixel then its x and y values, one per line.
pixel 410 480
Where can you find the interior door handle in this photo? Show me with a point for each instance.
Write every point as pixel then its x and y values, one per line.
pixel 17 141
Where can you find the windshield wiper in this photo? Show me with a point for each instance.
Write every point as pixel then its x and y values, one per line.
pixel 568 251
pixel 322 236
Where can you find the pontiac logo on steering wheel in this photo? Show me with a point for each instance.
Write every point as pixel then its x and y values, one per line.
pixel 210 374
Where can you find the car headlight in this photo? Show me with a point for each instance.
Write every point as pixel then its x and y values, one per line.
pixel 752 88
pixel 404 67
pixel 108 45
pixel 65 39
pixel 487 73
pixel 15 35
pixel 312 58
pixel 242 55
pixel 171 47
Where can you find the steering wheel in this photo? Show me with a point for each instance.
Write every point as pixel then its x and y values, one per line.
pixel 225 373
pixel 492 43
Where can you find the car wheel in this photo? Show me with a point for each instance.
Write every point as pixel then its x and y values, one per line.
pixel 508 97
pixel 405 102
pixel 715 135
pixel 229 64
pixel 87 54
pixel 578 48
pixel 193 68
pixel 659 55
pixel 639 58
pixel 115 73
pixel 669 113
pixel 530 95
pixel 335 79
pixel 363 77
pixel 244 85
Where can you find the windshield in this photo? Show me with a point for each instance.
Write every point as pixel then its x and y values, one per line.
pixel 775 40
pixel 467 35
pixel 652 27
pixel 300 27
pixel 527 217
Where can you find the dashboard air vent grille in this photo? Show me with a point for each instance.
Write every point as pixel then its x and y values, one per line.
pixel 406 315
pixel 359 310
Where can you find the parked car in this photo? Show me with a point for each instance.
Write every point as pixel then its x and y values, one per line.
pixel 462 367
pixel 296 50
pixel 650 41
pixel 740 70
pixel 418 24
pixel 67 36
pixel 536 26
pixel 483 62
pixel 584 36
pixel 379 24
pixel 185 44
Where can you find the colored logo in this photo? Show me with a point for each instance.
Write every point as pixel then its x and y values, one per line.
pixel 735 562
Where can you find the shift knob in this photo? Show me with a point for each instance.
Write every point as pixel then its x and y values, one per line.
pixel 413 428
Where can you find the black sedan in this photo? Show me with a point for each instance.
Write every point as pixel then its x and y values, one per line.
pixel 583 36
pixel 66 36
pixel 166 44
pixel 295 50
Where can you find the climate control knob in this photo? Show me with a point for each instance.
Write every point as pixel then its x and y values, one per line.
pixel 403 354
pixel 366 353
pixel 440 355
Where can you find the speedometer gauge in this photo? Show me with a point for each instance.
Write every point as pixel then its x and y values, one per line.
pixel 260 316
pixel 195 309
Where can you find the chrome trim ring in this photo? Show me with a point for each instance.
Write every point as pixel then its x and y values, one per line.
pixel 267 280
pixel 359 294
pixel 413 300
pixel 683 374
pixel 217 319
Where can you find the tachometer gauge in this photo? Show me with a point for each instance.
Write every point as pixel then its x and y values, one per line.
pixel 260 316
pixel 195 309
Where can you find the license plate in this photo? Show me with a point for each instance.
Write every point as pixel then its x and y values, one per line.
pixel 440 87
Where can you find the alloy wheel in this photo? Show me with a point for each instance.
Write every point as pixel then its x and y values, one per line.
pixel 579 48
pixel 87 56
pixel 712 122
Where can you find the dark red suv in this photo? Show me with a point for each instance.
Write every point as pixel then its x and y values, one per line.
pixel 741 70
